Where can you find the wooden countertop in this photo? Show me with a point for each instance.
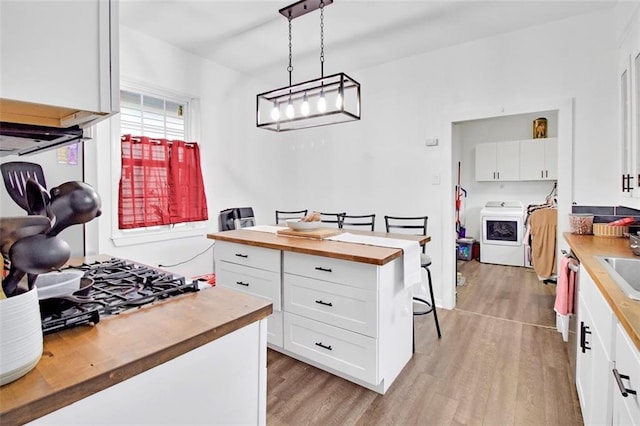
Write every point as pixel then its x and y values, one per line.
pixel 585 247
pixel 335 249
pixel 87 359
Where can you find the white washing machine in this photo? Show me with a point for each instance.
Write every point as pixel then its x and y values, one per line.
pixel 502 241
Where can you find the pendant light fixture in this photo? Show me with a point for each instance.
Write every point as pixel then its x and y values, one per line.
pixel 319 102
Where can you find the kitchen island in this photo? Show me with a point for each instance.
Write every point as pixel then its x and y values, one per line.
pixel 343 307
pixel 193 358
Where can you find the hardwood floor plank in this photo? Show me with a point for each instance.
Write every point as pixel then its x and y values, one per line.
pixel 502 401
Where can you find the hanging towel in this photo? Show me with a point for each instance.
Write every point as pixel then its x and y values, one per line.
pixel 411 252
pixel 544 223
pixel 566 287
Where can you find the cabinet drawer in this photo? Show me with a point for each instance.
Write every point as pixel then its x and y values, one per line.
pixel 256 257
pixel 344 351
pixel 354 274
pixel 252 281
pixel 274 329
pixel 347 307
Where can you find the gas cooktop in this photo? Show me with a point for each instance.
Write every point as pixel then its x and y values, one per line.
pixel 118 285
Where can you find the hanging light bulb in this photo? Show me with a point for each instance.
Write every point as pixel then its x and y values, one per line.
pixel 304 108
pixel 275 112
pixel 322 103
pixel 339 98
pixel 290 111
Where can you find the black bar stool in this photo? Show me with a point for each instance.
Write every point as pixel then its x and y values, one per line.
pixel 416 225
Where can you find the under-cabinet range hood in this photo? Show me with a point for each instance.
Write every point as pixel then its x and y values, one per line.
pixel 22 139
pixel 27 128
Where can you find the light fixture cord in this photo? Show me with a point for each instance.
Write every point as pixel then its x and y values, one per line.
pixel 321 38
pixel 290 67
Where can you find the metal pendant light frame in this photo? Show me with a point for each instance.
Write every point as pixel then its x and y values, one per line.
pixel 328 87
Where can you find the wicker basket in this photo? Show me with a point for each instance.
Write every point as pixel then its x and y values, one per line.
pixel 604 230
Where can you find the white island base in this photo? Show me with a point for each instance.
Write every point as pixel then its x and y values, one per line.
pixel 222 382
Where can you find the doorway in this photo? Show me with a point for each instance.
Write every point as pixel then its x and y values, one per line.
pixel 562 110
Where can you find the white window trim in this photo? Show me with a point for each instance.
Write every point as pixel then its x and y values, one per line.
pixel 128 237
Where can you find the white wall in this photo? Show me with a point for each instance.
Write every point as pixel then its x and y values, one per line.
pixel 380 164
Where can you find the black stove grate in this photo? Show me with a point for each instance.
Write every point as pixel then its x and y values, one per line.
pixel 119 285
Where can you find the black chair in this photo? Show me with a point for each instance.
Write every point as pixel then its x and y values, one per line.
pixel 356 221
pixel 416 225
pixel 283 216
pixel 331 218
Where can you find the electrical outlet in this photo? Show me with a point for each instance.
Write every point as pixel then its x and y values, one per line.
pixel 435 179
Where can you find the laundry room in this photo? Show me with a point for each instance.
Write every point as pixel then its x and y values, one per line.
pixel 507 167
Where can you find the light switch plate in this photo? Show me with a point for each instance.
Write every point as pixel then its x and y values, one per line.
pixel 431 142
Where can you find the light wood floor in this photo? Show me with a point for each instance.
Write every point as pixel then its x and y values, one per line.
pixel 499 362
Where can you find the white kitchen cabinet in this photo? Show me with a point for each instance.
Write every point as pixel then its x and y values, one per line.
pixel 350 318
pixel 629 101
pixel 626 398
pixel 498 161
pixel 595 346
pixel 255 271
pixel 62 54
pixel 539 159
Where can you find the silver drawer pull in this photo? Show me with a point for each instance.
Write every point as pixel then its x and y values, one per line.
pixel 322 302
pixel 242 255
pixel 324 346
pixel 623 390
pixel 241 283
pixel 320 268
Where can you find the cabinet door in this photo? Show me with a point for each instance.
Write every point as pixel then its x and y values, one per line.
pixel 508 160
pixel 486 161
pixel 551 159
pixel 584 357
pixel 595 350
pixel 626 409
pixel 532 159
pixel 60 53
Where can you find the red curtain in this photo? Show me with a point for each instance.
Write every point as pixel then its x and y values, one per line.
pixel 161 183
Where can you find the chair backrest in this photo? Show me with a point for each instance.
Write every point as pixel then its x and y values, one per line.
pixel 412 225
pixel 15 175
pixel 282 216
pixel 357 221
pixel 331 218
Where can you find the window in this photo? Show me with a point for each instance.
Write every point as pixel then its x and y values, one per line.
pixel 161 181
pixel 153 116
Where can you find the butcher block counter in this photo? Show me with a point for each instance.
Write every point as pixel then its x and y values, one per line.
pixel 586 247
pixel 374 255
pixel 85 360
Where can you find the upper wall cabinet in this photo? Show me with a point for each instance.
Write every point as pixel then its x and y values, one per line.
pixel 539 159
pixel 498 161
pixel 59 61
pixel 530 159
pixel 629 78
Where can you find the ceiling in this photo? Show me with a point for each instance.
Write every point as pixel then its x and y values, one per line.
pixel 251 37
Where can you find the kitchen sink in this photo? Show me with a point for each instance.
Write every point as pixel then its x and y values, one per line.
pixel 625 273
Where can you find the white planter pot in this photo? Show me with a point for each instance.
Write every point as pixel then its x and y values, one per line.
pixel 20 335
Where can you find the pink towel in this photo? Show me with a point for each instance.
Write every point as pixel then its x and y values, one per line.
pixel 565 287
